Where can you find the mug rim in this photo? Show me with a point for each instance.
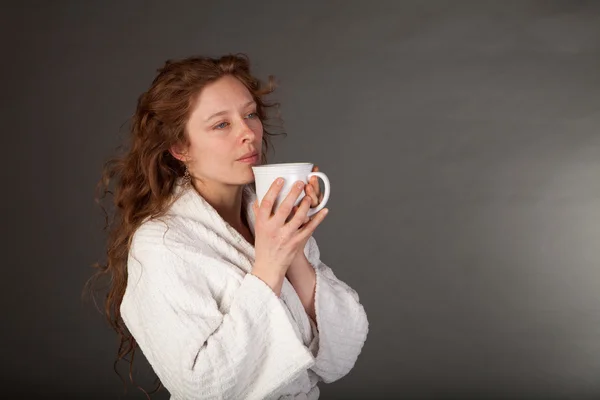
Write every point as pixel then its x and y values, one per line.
pixel 268 166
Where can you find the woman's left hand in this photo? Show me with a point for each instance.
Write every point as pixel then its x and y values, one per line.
pixel 312 190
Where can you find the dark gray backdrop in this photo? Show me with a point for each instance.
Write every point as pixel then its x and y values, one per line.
pixel 463 146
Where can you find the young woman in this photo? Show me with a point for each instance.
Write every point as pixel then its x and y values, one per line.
pixel 226 298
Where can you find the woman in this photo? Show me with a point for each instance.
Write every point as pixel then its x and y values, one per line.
pixel 225 298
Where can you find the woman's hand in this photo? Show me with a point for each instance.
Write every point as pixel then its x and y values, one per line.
pixel 278 239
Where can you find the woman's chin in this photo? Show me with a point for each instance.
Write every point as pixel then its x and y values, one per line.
pixel 247 178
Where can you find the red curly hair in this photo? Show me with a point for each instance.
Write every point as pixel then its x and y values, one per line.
pixel 142 179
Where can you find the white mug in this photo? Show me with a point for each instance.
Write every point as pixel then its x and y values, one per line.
pixel 266 174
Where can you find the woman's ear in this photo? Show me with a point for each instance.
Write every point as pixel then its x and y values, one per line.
pixel 179 152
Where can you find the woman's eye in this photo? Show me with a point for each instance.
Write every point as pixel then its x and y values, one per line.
pixel 222 125
pixel 252 115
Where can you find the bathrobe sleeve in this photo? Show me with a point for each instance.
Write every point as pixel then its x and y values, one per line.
pixel 342 324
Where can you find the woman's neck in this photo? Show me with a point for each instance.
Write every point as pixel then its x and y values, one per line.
pixel 226 200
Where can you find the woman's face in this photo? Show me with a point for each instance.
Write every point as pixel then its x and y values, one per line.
pixel 223 128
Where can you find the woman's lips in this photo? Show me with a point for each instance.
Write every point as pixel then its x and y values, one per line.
pixel 249 160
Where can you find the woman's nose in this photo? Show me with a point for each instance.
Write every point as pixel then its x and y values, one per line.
pixel 246 132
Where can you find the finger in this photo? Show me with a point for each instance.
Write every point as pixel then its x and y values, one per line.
pixel 266 204
pixel 294 211
pixel 310 227
pixel 301 214
pixel 315 185
pixel 314 200
pixel 285 208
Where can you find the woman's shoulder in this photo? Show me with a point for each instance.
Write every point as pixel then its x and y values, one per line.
pixel 154 230
pixel 177 235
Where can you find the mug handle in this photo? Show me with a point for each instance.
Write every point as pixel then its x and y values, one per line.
pixel 313 210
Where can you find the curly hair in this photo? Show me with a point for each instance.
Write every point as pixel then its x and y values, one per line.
pixel 142 179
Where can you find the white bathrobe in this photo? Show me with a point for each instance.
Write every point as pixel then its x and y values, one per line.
pixel 212 330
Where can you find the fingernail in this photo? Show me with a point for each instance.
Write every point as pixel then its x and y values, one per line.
pixel 300 184
pixel 279 181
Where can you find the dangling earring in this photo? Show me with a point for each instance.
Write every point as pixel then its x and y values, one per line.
pixel 187 179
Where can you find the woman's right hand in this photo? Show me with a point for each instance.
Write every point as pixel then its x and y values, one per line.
pixel 276 242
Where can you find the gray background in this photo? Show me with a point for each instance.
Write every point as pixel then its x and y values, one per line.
pixel 461 139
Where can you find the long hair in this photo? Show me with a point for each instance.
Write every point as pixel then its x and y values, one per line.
pixel 141 180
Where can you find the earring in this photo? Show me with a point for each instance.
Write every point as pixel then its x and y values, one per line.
pixel 187 178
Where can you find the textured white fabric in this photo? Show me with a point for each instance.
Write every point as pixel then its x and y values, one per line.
pixel 212 330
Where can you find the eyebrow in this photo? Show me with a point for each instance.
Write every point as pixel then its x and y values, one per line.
pixel 225 112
